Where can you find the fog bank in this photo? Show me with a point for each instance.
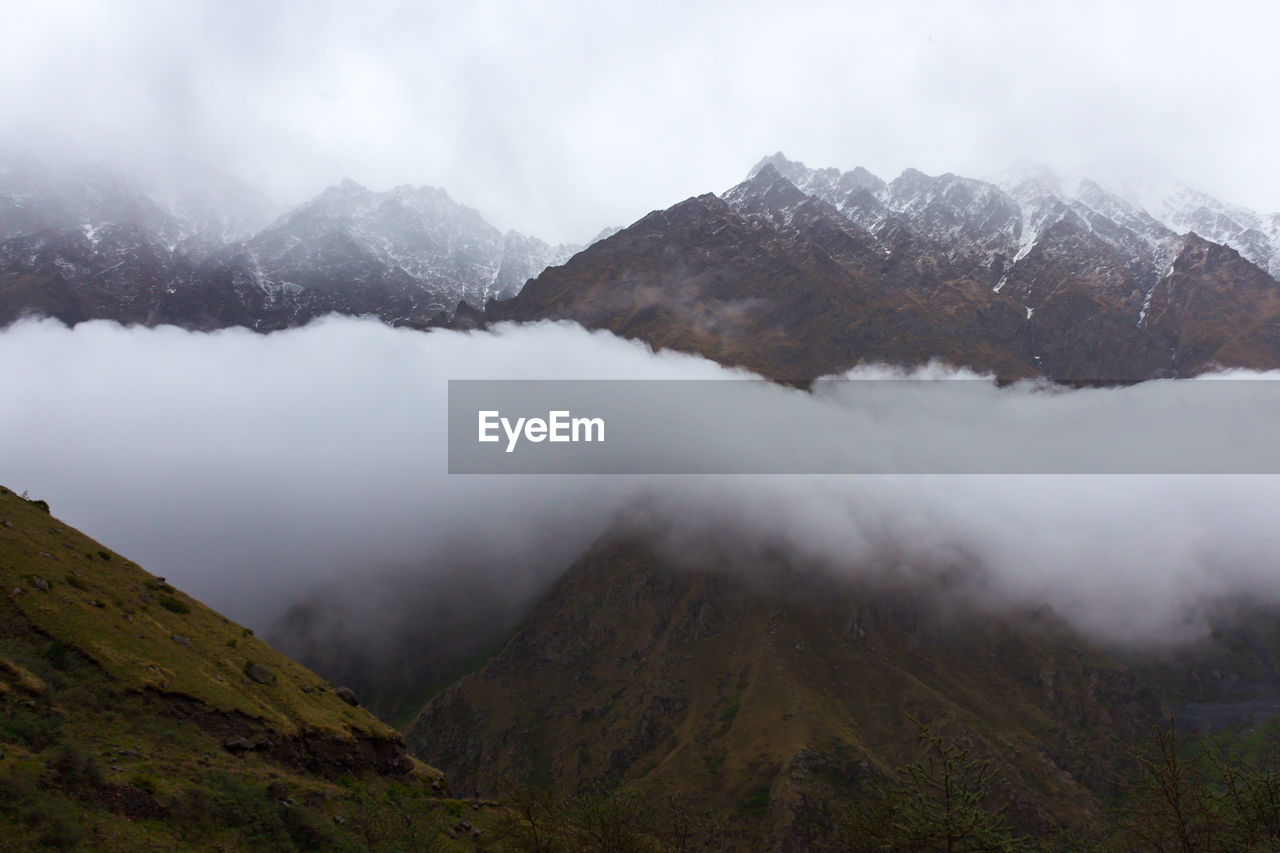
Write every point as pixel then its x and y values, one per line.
pixel 253 470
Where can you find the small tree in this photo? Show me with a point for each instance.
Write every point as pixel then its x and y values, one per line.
pixel 534 820
pixel 938 804
pixel 1251 795
pixel 44 505
pixel 1193 797
pixel 610 821
pixel 682 829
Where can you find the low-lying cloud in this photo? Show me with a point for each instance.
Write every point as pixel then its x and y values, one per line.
pixel 253 470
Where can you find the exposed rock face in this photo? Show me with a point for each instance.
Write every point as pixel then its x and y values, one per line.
pixel 1214 307
pixel 702 277
pixel 820 270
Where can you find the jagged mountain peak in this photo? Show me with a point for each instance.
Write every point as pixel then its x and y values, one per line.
pixel 416 241
pixel 80 242
pixel 1031 177
pixel 768 194
pixel 912 176
pixel 777 161
pixel 767 179
pixel 1182 208
pixel 1010 211
pixel 346 198
pixel 860 178
pixel 826 183
pixel 914 200
pixel 604 234
pixel 767 172
pixel 914 189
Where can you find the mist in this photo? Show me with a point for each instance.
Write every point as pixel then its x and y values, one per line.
pixel 558 119
pixel 257 471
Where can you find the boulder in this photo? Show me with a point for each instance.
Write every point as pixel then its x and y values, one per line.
pixel 259 673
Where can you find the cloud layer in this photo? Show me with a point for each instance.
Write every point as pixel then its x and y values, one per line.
pixel 253 470
pixel 558 119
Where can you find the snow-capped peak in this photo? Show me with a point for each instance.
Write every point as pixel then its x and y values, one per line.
pixel 1182 208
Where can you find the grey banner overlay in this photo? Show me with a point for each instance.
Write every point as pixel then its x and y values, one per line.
pixel 863 426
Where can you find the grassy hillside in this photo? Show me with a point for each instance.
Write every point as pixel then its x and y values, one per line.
pixel 132 717
pixel 150 638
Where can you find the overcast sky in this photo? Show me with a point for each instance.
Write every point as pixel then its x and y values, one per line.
pixel 559 118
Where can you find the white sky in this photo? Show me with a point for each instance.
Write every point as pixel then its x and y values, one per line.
pixel 559 118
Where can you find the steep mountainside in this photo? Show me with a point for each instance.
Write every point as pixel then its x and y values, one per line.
pixel 1256 236
pixel 702 277
pixel 133 717
pixel 1216 307
pixel 772 696
pixel 819 270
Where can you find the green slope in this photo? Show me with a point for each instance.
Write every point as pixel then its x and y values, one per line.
pixel 150 638
pixel 128 722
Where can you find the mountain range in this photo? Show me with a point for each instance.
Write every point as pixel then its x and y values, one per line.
pixel 95 242
pixel 794 273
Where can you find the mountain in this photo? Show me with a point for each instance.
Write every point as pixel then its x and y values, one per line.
pixel 134 717
pixel 782 683
pixel 1214 307
pixel 196 250
pixel 800 272
pixel 703 277
pixel 406 255
pixel 1256 236
pixel 771 693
